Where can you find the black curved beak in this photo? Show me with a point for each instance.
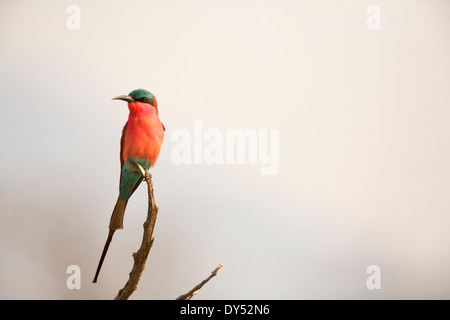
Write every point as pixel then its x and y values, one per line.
pixel 124 98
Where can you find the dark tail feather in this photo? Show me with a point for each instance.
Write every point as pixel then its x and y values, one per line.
pixel 105 249
pixel 116 221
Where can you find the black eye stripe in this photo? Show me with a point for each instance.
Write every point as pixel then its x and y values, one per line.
pixel 145 100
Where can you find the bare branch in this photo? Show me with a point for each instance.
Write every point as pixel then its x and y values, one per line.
pixel 190 294
pixel 140 257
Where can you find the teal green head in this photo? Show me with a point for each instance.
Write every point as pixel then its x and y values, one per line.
pixel 139 95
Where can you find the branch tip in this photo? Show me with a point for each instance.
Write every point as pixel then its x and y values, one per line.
pixel 191 293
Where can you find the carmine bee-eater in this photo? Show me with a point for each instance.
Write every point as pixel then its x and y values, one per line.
pixel 141 141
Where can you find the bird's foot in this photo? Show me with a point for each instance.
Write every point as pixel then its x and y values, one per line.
pixel 144 172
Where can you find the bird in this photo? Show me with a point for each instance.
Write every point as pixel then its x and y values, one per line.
pixel 140 144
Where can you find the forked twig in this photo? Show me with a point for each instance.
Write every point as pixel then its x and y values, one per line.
pixel 191 293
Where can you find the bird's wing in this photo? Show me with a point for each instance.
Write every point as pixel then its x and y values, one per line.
pixel 122 141
pixel 136 185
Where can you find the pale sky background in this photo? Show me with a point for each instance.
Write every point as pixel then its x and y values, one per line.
pixel 363 117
